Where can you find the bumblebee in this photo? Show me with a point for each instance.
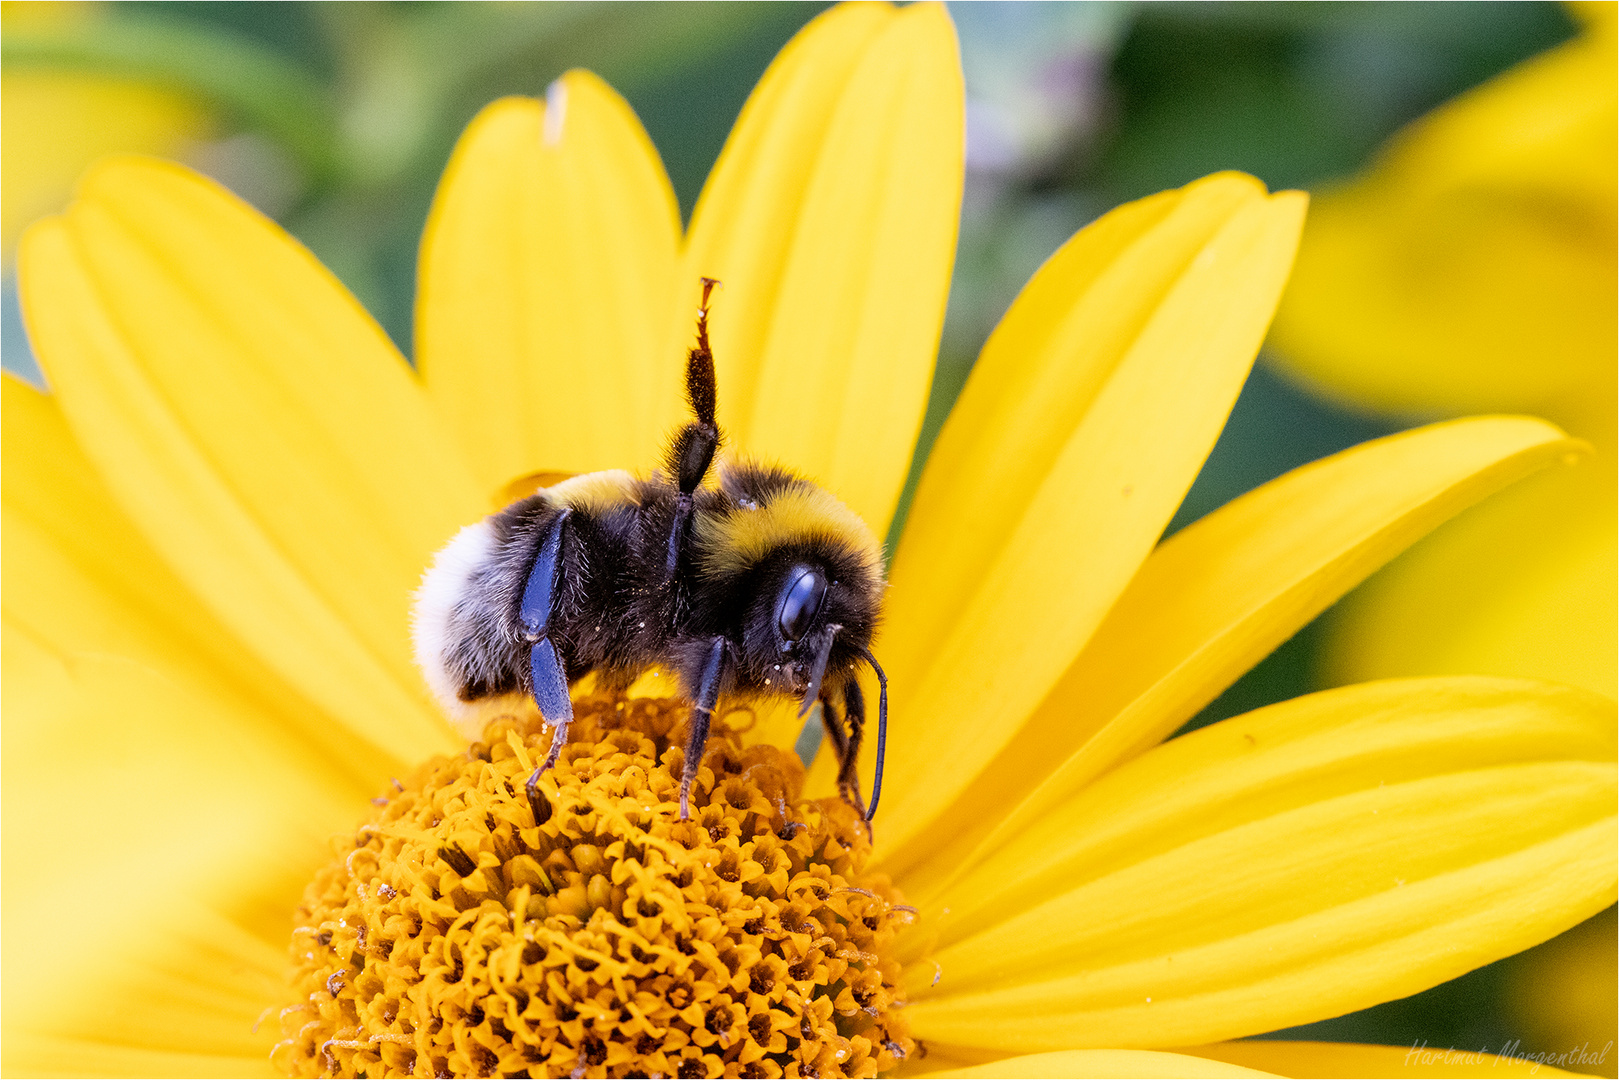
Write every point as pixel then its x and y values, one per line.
pixel 759 584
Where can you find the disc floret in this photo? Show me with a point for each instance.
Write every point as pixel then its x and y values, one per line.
pixel 467 930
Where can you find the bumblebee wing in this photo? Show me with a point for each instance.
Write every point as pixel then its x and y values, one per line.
pixel 532 484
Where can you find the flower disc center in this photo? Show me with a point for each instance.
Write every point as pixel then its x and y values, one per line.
pixel 463 931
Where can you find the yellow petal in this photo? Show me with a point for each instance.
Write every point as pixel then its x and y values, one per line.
pixel 55 123
pixel 1221 594
pixel 1523 585
pixel 1103 1063
pixel 1307 1059
pixel 1077 435
pixel 27 1054
pixel 80 578
pixel 831 219
pixel 159 831
pixel 256 426
pixel 1299 862
pixel 184 776
pixel 747 212
pixel 1473 268
pixel 547 279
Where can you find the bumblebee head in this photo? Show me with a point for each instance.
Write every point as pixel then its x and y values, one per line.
pixel 803 573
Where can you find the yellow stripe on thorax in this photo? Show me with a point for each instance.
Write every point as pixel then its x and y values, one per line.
pixel 737 540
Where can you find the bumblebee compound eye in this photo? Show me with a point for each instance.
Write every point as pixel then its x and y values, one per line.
pixel 800 602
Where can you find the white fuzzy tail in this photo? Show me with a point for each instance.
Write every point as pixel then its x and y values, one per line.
pixel 444 584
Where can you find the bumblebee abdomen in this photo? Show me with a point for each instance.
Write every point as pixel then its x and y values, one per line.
pixel 456 629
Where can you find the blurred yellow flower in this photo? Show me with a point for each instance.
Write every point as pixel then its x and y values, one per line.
pixel 54 123
pixel 1473 267
pixel 214 522
pixel 1564 994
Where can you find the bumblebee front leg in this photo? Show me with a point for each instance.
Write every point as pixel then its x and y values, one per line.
pixel 848 746
pixel 702 710
pixel 548 680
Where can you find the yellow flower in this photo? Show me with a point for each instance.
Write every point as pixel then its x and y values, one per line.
pixel 1473 267
pixel 214 522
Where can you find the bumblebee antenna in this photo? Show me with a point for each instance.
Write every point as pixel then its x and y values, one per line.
pixel 882 730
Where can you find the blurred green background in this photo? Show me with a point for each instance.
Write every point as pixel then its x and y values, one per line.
pixel 337 119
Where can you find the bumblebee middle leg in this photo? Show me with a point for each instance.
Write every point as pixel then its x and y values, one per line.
pixel 702 711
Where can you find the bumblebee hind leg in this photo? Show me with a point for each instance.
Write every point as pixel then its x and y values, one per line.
pixel 694 444
pixel 547 677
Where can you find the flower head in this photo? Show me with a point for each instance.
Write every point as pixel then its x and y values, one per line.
pixel 216 518
pixel 459 927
